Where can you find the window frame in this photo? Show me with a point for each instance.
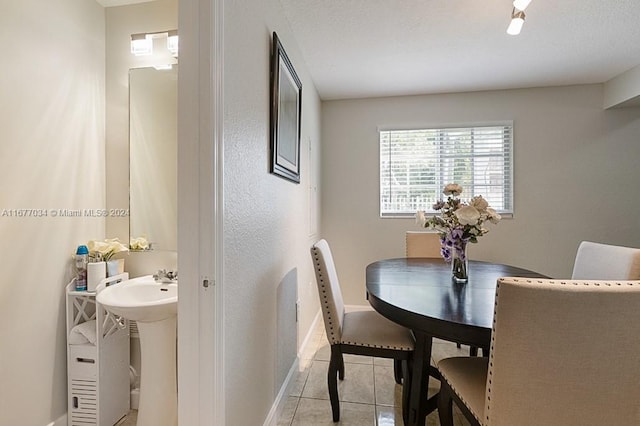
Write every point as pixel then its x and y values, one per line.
pixel 508 187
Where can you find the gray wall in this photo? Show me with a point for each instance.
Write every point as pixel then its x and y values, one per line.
pixel 576 176
pixel 269 222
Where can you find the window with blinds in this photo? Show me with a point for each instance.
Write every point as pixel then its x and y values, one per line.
pixel 415 165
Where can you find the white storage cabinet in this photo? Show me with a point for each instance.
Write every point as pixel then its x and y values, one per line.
pixel 97 373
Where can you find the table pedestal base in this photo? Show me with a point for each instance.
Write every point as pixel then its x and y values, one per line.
pixel 421 405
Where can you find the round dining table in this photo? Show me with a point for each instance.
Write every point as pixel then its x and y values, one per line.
pixel 419 294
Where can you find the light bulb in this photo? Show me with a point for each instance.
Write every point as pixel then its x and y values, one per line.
pixel 521 4
pixel 517 21
pixel 141 45
pixel 172 42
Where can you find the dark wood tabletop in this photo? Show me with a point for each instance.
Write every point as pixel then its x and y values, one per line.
pixel 419 294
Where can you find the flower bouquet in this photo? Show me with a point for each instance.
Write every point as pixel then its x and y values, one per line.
pixel 103 251
pixel 139 244
pixel 458 223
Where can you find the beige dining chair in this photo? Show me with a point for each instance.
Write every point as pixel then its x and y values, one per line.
pixel 363 332
pixel 596 261
pixel 422 244
pixel 563 352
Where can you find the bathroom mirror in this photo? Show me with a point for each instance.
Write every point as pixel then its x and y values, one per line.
pixel 153 148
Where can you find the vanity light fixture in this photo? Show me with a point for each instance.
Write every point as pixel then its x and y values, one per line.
pixel 172 42
pixel 142 44
pixel 517 21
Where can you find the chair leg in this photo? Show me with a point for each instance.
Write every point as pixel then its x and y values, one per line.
pixel 336 365
pixel 473 351
pixel 398 371
pixel 445 405
pixel 341 367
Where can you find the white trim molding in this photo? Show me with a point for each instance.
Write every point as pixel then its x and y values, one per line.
pixel 200 134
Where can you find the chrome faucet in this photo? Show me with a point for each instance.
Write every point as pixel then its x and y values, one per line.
pixel 165 277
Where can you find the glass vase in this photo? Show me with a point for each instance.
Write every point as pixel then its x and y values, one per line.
pixel 459 264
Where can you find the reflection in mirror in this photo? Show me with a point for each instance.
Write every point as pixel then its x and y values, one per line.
pixel 153 146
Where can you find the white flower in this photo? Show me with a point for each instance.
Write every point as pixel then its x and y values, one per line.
pixel 139 243
pixel 458 222
pixel 467 215
pixel 479 203
pixel 107 248
pixel 452 189
pixel 494 217
pixel 421 218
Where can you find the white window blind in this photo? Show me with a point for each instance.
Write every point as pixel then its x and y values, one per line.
pixel 415 165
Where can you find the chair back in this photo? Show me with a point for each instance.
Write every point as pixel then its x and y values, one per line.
pixel 564 353
pixel 329 290
pixel 422 244
pixel 595 261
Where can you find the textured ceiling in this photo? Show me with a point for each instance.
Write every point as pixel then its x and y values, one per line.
pixel 366 48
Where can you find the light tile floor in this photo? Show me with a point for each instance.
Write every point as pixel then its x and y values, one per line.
pixel 129 420
pixel 368 395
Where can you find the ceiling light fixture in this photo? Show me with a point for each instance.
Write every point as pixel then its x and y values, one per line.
pixel 517 21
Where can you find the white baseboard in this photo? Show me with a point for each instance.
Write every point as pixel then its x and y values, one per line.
pixel 134 400
pixel 281 398
pixel 61 421
pixel 309 335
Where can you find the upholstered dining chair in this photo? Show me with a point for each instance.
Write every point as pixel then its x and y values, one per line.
pixel 359 333
pixel 563 352
pixel 422 244
pixel 596 261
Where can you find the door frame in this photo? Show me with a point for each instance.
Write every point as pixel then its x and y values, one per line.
pixel 200 225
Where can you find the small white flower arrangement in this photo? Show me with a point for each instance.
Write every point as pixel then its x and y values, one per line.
pixel 459 222
pixel 139 244
pixel 104 250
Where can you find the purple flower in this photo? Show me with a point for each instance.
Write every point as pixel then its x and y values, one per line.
pixel 457 233
pixel 439 205
pixel 446 253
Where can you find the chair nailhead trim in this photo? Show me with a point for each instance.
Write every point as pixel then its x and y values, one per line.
pixel 332 334
pixel 367 345
pixel 461 398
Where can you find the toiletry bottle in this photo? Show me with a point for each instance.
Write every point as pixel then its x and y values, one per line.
pixel 82 258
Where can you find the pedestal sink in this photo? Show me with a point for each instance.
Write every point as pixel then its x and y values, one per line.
pixel 154 307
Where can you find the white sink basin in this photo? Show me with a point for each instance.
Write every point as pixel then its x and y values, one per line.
pixel 141 299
